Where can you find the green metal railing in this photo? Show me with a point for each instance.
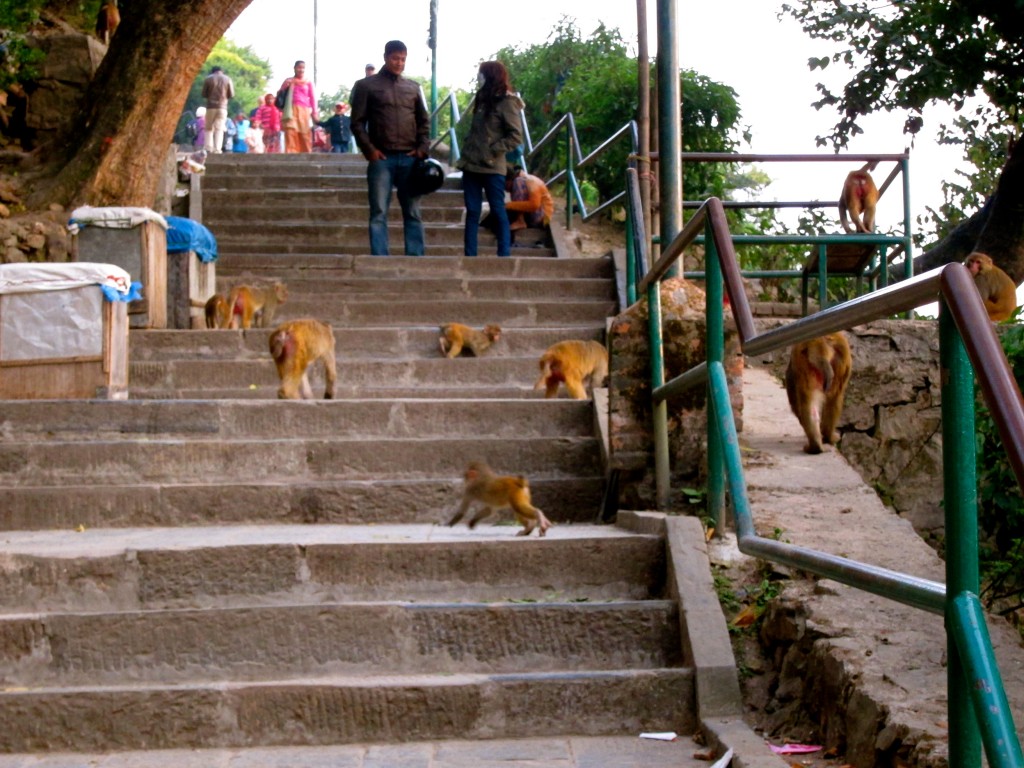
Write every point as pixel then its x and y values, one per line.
pixel 454 118
pixel 979 713
pixel 574 159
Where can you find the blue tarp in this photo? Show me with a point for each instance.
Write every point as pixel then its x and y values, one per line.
pixel 187 235
pixel 134 293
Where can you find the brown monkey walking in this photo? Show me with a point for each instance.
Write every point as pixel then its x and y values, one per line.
pixel 995 286
pixel 248 303
pixel 495 492
pixel 570 363
pixel 816 380
pixel 455 336
pixel 294 346
pixel 858 198
pixel 218 313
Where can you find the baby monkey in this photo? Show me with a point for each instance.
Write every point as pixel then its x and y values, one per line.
pixel 456 336
pixel 495 492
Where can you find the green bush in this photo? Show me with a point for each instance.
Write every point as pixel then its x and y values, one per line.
pixel 1000 502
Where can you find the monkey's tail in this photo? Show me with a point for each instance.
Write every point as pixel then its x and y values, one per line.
pixel 545 372
pixel 820 359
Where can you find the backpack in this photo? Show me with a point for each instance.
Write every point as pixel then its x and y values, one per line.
pixel 191 130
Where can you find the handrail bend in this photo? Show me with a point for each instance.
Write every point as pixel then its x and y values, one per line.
pixel 978 709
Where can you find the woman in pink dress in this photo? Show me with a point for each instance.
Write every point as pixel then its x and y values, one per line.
pixel 300 112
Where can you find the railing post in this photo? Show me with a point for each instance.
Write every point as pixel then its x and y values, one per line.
pixel 630 260
pixel 959 478
pixel 660 409
pixel 568 179
pixel 715 344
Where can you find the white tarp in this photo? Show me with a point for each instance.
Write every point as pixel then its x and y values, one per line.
pixel 33 278
pixel 113 217
pixel 52 324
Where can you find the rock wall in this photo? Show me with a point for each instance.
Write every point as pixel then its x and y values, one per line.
pixel 630 435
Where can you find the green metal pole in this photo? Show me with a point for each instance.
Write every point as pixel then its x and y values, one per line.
pixel 568 178
pixel 660 410
pixel 630 260
pixel 670 127
pixel 432 42
pixel 716 354
pixel 959 481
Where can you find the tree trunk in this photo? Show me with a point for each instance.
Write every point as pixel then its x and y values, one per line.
pixel 997 229
pixel 114 150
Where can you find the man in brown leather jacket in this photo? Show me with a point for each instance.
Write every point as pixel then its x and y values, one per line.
pixel 392 128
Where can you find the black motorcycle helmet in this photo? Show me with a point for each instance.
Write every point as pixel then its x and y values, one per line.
pixel 426 176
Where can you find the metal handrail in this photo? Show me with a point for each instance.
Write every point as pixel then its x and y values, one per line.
pixel 454 119
pixel 978 709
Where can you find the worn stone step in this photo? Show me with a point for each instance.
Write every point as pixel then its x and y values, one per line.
pixel 70 506
pixel 470 391
pixel 224 204
pixel 341 710
pixel 379 343
pixel 111 569
pixel 515 267
pixel 337 234
pixel 165 460
pixel 89 420
pixel 323 639
pixel 352 373
pixel 379 288
pixel 350 211
pixel 446 250
pixel 570 751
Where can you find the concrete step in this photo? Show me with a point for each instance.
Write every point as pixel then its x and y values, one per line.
pixel 450 250
pixel 425 312
pixel 125 569
pixel 351 211
pixel 350 343
pixel 353 374
pixel 343 710
pixel 573 751
pixel 224 204
pixel 89 420
pixel 263 261
pixel 355 640
pixel 209 501
pixel 340 234
pixel 142 459
pixel 381 288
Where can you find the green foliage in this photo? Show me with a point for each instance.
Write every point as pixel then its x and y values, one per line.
pixel 249 73
pixel 904 56
pixel 1000 503
pixel 595 79
pixel 325 101
pixel 17 60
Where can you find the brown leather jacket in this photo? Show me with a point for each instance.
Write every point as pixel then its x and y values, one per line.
pixel 388 114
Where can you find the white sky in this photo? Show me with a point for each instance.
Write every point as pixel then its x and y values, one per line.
pixel 740 43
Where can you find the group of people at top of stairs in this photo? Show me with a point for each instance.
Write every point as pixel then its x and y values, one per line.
pixel 285 122
pixel 391 128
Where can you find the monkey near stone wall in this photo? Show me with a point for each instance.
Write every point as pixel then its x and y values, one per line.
pixel 571 363
pixel 816 380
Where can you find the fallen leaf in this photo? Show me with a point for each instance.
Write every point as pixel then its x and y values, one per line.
pixel 746 617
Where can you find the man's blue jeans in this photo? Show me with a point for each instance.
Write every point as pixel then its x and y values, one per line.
pixel 381 176
pixel 474 187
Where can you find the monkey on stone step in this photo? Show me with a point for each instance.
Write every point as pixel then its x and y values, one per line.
pixel 495 492
pixel 248 303
pixel 456 336
pixel 571 363
pixel 297 344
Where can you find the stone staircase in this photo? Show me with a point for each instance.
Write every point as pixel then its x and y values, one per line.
pixel 204 567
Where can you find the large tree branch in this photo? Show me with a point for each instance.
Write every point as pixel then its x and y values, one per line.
pixel 997 229
pixel 114 150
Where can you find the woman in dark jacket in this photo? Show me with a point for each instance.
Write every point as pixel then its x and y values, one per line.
pixel 495 130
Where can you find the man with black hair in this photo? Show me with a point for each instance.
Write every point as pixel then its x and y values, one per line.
pixel 391 126
pixel 218 90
